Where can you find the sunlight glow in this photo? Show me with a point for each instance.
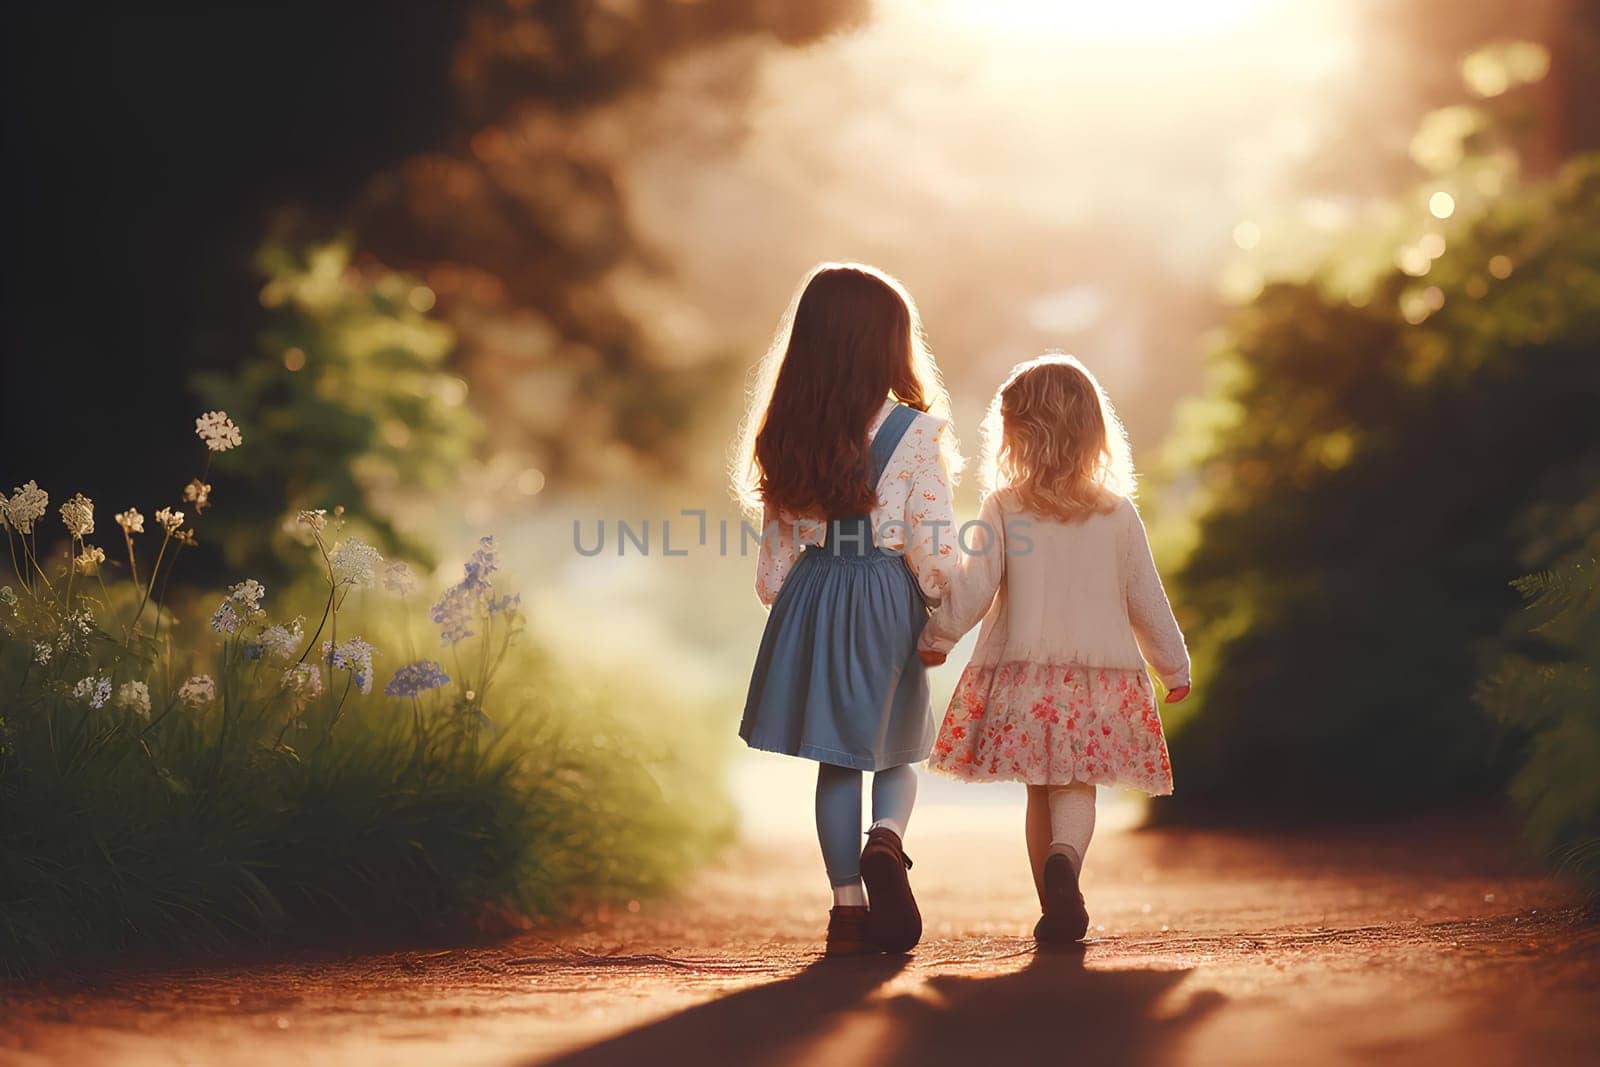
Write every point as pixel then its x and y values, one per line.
pixel 1090 19
pixel 1084 158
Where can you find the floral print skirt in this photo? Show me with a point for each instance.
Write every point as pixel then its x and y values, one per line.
pixel 1054 723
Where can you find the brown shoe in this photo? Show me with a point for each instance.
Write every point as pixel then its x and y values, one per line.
pixel 1065 917
pixel 847 930
pixel 895 924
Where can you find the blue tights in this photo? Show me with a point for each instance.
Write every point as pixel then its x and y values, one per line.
pixel 894 791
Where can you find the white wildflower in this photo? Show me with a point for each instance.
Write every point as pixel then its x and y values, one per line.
pixel 131 521
pixel 77 515
pixel 218 431
pixel 198 691
pixel 168 519
pixel 242 606
pixel 94 690
pixel 135 696
pixel 74 628
pixel 42 651
pixel 248 592
pixel 226 620
pixel 398 579
pixel 197 493
pixel 354 561
pixel 27 505
pixel 304 681
pixel 284 641
pixel 88 561
pixel 317 519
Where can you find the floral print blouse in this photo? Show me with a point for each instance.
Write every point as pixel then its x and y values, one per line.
pixel 914 514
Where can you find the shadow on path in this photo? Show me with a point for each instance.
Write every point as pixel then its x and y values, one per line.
pixel 1053 1007
pixel 768 1024
pixel 1048 1011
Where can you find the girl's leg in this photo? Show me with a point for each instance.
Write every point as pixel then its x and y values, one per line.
pixel 1065 919
pixel 1039 834
pixel 839 831
pixel 894 791
pixel 1071 821
pixel 895 923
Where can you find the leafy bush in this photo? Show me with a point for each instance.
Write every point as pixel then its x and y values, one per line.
pixel 349 401
pixel 1377 431
pixel 1545 688
pixel 177 787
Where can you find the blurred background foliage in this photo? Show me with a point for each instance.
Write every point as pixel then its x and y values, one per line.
pixel 1543 686
pixel 523 228
pixel 349 403
pixel 1389 444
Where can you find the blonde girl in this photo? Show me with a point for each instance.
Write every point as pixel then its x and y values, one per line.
pixel 1059 570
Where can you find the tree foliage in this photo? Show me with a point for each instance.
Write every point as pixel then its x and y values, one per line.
pixel 348 402
pixel 1544 687
pixel 568 324
pixel 1379 436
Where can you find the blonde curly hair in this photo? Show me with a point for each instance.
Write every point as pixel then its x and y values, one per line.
pixel 1052 439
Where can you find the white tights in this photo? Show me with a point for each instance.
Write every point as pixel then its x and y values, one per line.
pixel 1060 820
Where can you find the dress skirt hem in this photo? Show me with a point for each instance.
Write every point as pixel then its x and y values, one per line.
pixel 854 761
pixel 837 678
pixel 1047 723
pixel 983 778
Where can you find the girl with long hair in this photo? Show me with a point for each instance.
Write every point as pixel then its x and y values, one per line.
pixel 847 453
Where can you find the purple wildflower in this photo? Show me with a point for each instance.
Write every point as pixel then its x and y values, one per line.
pixel 415 678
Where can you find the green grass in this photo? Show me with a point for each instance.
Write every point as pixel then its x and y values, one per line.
pixel 171 828
pixel 114 843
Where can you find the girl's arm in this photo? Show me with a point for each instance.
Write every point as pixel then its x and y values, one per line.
pixel 780 548
pixel 982 566
pixel 930 544
pixel 1154 627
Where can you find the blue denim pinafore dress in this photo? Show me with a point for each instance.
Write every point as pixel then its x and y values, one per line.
pixel 837 678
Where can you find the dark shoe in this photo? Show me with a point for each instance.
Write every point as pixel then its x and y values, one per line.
pixel 895 924
pixel 1065 918
pixel 847 930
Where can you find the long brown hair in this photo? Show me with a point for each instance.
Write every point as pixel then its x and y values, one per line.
pixel 1053 439
pixel 851 339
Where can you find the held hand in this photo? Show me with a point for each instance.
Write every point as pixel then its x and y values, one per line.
pixel 1175 696
pixel 930 659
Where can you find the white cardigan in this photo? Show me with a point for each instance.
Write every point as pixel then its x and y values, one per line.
pixel 1048 591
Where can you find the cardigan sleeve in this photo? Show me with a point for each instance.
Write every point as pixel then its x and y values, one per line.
pixel 977 580
pixel 1154 626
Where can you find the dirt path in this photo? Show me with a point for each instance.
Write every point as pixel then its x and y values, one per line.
pixel 1416 944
